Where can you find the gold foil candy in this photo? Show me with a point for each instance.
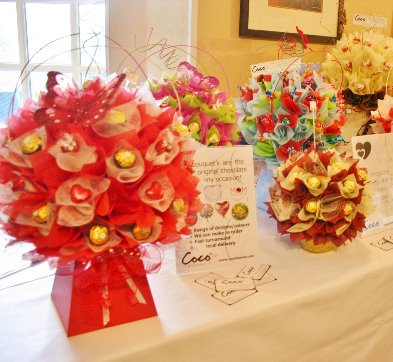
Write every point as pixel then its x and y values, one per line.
pixel 178 205
pixel 124 158
pixel 41 215
pixel 363 175
pixel 311 206
pixel 314 182
pixel 350 185
pixel 98 235
pixel 337 166
pixel 141 233
pixel 31 144
pixel 347 209
pixel 181 128
pixel 213 139
pixel 117 117
pixel 194 127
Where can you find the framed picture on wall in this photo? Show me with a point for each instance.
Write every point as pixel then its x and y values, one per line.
pixel 321 20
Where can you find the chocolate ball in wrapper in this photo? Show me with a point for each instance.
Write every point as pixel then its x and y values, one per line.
pixel 124 158
pixel 141 233
pixel 42 214
pixel 31 144
pixel 312 206
pixel 350 185
pixel 98 235
pixel 314 182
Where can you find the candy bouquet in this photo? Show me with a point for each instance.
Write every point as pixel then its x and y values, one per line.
pixel 94 177
pixel 207 114
pixel 320 199
pixel 276 114
pixel 360 65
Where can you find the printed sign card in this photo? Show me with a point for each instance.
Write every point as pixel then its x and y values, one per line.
pixel 375 153
pixel 225 231
pixel 274 66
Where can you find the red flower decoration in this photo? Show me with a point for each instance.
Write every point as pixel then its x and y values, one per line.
pixel 265 123
pixel 284 151
pixel 289 104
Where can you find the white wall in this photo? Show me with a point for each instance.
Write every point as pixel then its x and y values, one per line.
pixel 149 29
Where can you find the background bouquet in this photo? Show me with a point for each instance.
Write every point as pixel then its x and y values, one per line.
pixel 359 64
pixel 207 114
pixel 274 114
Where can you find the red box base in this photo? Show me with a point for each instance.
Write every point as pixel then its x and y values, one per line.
pixel 81 310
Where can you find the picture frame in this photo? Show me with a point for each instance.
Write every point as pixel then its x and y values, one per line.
pixel 321 20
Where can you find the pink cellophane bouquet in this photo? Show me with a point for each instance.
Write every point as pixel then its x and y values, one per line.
pixel 207 113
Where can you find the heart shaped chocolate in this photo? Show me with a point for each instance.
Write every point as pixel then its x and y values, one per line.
pixel 155 191
pixel 79 194
pixel 222 207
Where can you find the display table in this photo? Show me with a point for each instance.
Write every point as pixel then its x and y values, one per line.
pixel 337 306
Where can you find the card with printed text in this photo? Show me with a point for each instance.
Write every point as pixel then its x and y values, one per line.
pixel 375 152
pixel 225 230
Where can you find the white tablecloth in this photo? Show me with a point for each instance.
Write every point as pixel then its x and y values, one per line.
pixel 331 307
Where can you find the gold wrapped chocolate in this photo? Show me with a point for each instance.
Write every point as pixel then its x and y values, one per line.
pixel 98 235
pixel 337 166
pixel 179 205
pixel 141 233
pixel 213 139
pixel 124 158
pixel 311 206
pixel 314 182
pixel 31 144
pixel 349 185
pixel 41 215
pixel 117 117
pixel 347 209
pixel 363 175
pixel 194 127
pixel 181 128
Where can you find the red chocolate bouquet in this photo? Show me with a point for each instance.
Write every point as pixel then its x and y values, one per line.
pixel 91 174
pixel 320 199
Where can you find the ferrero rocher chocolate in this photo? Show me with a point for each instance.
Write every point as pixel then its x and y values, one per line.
pixel 98 235
pixel 141 233
pixel 42 214
pixel 31 144
pixel 347 209
pixel 194 127
pixel 213 139
pixel 314 182
pixel 311 206
pixel 178 205
pixel 337 166
pixel 124 158
pixel 117 117
pixel 363 175
pixel 181 128
pixel 349 185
